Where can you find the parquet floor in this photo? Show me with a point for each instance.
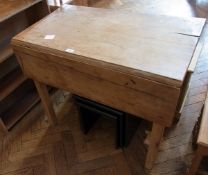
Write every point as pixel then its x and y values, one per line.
pixel 35 148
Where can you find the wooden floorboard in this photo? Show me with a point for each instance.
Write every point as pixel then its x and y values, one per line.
pixel 35 148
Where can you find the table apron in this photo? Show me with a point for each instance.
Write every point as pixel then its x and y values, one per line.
pixel 123 98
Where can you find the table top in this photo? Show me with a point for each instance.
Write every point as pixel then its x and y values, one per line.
pixel 9 8
pixel 158 48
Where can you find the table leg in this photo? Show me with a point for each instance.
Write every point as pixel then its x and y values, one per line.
pixel 45 98
pixel 155 138
pixel 195 162
pixel 85 2
pixel 81 2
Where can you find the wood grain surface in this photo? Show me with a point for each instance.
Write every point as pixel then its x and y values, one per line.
pixel 158 48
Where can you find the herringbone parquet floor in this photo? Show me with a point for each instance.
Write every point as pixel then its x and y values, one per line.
pixel 35 148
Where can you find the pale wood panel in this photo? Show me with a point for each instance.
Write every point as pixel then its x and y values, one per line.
pixel 11 8
pixel 142 45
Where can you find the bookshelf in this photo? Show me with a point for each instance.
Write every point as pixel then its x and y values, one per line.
pixel 17 94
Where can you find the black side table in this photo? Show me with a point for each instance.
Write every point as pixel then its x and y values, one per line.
pixel 90 111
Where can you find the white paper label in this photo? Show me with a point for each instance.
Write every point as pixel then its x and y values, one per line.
pixel 49 37
pixel 70 50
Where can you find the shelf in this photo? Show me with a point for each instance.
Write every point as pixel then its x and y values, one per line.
pixel 11 8
pixel 10 82
pixel 11 117
pixel 2 127
pixel 5 53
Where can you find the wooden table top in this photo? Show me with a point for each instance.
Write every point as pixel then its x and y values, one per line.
pixel 158 48
pixel 9 8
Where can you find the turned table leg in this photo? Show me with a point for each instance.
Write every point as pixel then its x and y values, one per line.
pixel 155 138
pixel 45 99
